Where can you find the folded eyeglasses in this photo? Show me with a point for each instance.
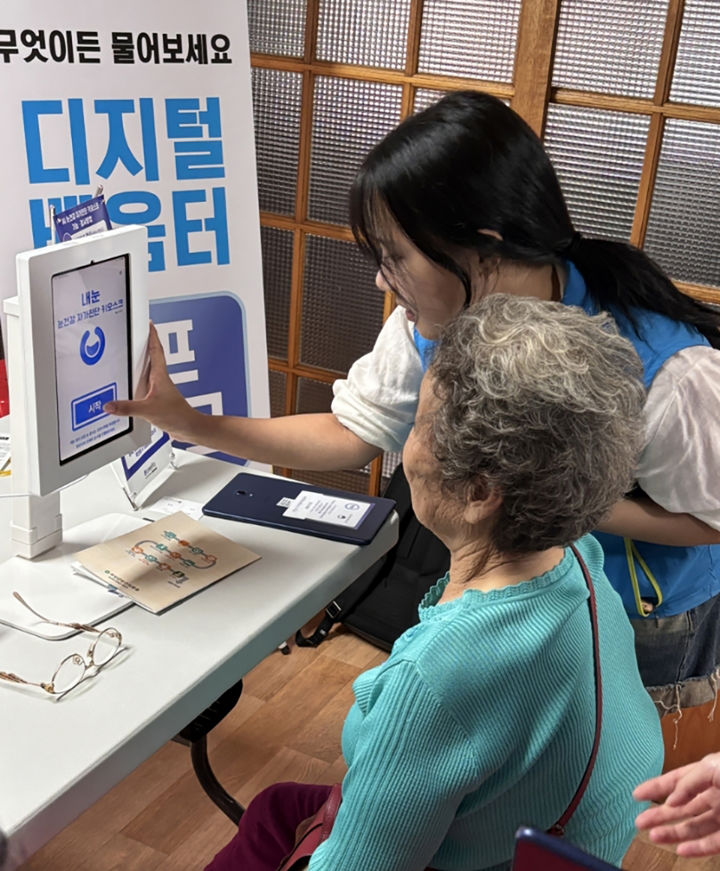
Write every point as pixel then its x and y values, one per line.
pixel 74 668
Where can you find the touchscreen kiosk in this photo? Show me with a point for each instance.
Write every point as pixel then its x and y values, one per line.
pixel 77 338
pixel 92 355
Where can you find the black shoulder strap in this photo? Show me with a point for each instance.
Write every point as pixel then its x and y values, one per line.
pixel 559 827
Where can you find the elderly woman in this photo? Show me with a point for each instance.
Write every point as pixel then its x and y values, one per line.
pixel 483 716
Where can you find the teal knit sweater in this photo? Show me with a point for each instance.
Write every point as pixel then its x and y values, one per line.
pixel 482 719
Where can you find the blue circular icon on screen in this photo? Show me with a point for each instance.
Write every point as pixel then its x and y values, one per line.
pixel 91 352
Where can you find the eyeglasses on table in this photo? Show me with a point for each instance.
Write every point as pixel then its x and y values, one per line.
pixel 74 668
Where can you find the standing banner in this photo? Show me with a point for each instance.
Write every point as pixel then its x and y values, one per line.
pixel 150 101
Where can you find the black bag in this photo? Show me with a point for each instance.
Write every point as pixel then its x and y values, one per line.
pixel 383 602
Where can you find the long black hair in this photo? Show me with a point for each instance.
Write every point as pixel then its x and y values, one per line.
pixel 469 163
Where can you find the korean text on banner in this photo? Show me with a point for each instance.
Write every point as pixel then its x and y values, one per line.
pixel 153 102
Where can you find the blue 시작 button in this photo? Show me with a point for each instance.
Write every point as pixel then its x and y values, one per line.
pixel 86 409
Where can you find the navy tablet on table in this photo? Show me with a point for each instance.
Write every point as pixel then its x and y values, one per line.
pixel 538 851
pixel 265 501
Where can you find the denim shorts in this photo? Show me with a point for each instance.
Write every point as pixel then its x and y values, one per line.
pixel 679 656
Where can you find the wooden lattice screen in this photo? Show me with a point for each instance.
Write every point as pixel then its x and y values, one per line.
pixel 626 94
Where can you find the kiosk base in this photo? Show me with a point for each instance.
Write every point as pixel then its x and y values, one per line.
pixel 36 524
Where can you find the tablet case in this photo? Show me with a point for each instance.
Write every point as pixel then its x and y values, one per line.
pixel 535 850
pixel 263 500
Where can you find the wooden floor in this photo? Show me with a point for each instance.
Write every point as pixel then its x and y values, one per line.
pixel 286 726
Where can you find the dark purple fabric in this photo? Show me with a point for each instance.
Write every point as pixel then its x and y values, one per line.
pixel 266 832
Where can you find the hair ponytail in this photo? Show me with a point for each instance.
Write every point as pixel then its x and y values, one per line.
pixel 621 277
pixel 469 163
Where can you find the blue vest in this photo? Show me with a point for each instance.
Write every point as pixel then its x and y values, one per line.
pixel 687 576
pixel 425 348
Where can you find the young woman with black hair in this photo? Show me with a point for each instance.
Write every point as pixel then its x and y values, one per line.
pixel 461 201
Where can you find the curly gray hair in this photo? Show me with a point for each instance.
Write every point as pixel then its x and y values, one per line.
pixel 544 403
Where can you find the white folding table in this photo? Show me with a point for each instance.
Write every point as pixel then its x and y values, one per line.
pixel 58 757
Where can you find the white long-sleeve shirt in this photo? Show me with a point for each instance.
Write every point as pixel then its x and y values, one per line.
pixel 679 468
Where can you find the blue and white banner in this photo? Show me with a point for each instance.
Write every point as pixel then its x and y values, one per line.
pixel 151 101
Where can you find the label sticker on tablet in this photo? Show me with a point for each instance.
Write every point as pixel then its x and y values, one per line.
pixel 336 510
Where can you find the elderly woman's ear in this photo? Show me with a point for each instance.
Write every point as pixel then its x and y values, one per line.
pixel 481 504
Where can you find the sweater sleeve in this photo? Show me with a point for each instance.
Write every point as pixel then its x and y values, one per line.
pixel 378 399
pixel 411 767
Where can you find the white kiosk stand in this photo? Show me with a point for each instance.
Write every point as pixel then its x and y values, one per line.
pixel 77 337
